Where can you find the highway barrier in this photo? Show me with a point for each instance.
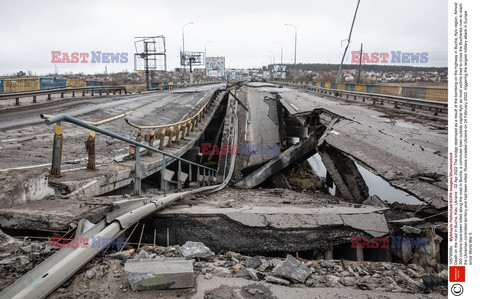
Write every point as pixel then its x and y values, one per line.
pixel 396 99
pixel 8 85
pixel 62 91
pixel 416 92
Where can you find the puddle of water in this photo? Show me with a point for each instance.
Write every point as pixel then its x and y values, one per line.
pixel 376 184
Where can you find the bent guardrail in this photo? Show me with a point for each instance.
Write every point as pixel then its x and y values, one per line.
pixel 175 131
pixel 89 143
pixel 208 172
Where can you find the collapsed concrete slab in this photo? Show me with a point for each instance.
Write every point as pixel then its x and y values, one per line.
pixel 294 154
pixel 258 221
pixel 146 274
pixel 24 186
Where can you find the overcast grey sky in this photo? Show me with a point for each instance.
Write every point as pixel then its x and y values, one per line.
pixel 244 31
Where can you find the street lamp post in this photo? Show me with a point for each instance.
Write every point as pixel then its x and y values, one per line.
pixel 281 52
pixel 273 53
pixel 295 57
pixel 339 74
pixel 205 53
pixel 183 48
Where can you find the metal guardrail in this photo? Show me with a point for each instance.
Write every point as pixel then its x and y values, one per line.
pixel 89 143
pixel 176 130
pixel 207 171
pixel 436 106
pixel 62 91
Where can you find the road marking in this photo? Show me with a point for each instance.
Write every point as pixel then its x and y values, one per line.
pixel 10 140
pixel 39 165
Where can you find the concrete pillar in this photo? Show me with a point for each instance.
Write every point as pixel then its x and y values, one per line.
pixel 359 253
pixel 329 253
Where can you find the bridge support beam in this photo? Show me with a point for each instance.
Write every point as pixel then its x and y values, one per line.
pixel 344 172
pixel 294 154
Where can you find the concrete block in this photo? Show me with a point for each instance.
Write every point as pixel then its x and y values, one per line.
pixel 292 269
pixel 150 274
pixel 195 250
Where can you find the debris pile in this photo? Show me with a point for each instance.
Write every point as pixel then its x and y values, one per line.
pixel 291 271
pixel 18 257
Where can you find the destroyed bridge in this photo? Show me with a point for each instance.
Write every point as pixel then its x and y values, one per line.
pixel 269 169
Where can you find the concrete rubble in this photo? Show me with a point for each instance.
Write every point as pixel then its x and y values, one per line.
pixel 148 274
pixel 195 250
pixel 168 268
pixel 292 269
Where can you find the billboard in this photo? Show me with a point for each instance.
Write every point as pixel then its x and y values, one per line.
pixel 193 58
pixel 279 71
pixel 215 66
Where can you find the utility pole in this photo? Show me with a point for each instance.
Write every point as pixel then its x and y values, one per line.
pixel 183 48
pixel 152 47
pixel 205 53
pixel 147 70
pixel 348 43
pixel 295 57
pixel 360 64
pixel 273 53
pixel 281 52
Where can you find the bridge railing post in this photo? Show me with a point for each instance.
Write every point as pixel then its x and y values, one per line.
pixel 179 176
pixel 90 147
pixel 57 150
pixel 161 138
pixel 137 183
pixel 132 149
pixel 189 172
pixel 198 176
pixel 150 139
pixel 163 184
